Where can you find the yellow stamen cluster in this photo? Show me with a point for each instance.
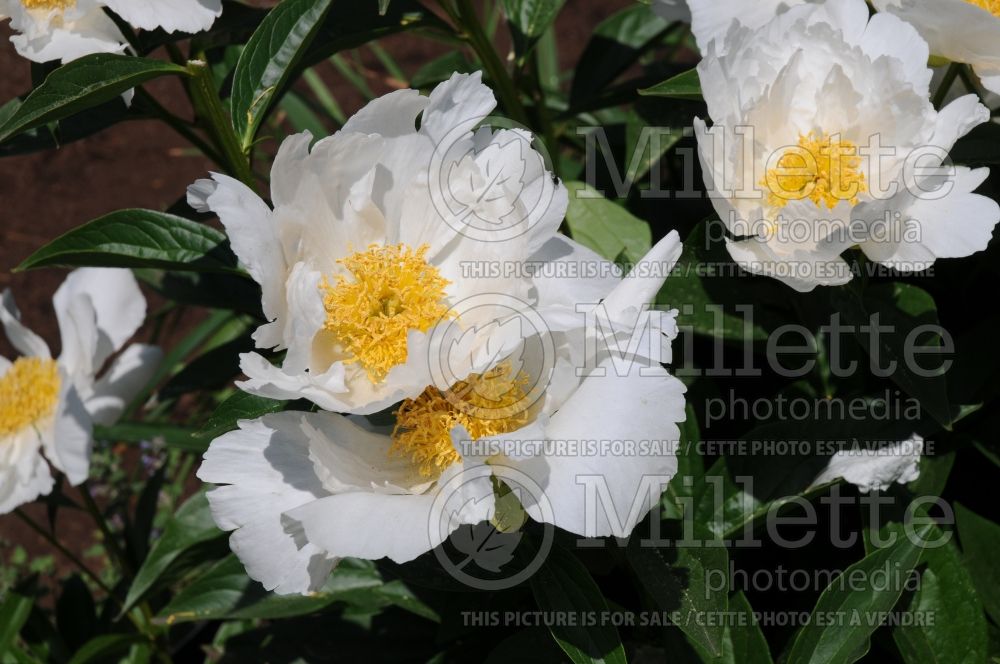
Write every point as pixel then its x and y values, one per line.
pixel 50 5
pixel 992 6
pixel 820 168
pixel 394 290
pixel 29 392
pixel 488 404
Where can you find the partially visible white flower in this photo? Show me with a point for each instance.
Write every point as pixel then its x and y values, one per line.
pixel 961 30
pixel 50 405
pixel 876 469
pixel 824 137
pixel 711 19
pixel 69 29
pixel 360 261
pixel 302 490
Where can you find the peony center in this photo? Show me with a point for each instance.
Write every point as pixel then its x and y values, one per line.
pixel 392 290
pixel 29 392
pixel 992 6
pixel 488 404
pixel 822 168
pixel 49 5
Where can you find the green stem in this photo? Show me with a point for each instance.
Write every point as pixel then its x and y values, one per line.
pixel 946 83
pixel 208 107
pixel 57 545
pixel 110 543
pixel 481 44
pixel 179 126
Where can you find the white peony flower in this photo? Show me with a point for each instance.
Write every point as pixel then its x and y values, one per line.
pixel 876 469
pixel 824 138
pixel 50 405
pixel 711 19
pixel 301 490
pixel 69 29
pixel 961 30
pixel 370 242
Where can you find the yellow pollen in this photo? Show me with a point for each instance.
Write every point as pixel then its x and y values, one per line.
pixel 992 6
pixel 394 290
pixel 822 169
pixel 50 5
pixel 488 404
pixel 29 392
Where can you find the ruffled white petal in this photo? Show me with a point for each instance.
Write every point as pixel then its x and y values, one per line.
pixel 876 469
pixel 648 403
pixel 79 31
pixel 68 443
pixel 116 311
pixel 266 470
pixel 171 15
pixel 128 374
pixel 398 526
pixel 21 338
pixel 255 240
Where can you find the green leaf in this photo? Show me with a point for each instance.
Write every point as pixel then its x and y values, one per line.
pixel 847 613
pixel 533 645
pixel 352 24
pixel 190 526
pixel 300 116
pixel 82 84
pixel 138 238
pixel 528 20
pixel 679 581
pixel 240 406
pixel 564 586
pixel 690 474
pixel 953 628
pixel 616 44
pixel 714 301
pixel 225 592
pixel 683 86
pixel 743 642
pixel 106 648
pixel 980 539
pixel 14 613
pixel 607 228
pixel 904 309
pixel 181 438
pixel 268 60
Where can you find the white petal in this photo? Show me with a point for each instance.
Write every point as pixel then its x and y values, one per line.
pixel 394 114
pixel 69 443
pixel 637 408
pixel 83 32
pixel 570 273
pixel 127 375
pixel 21 338
pixel 118 305
pixel 876 469
pixel 642 284
pixel 402 526
pixel 266 468
pixel 171 15
pixel 802 271
pixel 254 238
pixel 456 106
pixel 957 225
pixel 23 482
